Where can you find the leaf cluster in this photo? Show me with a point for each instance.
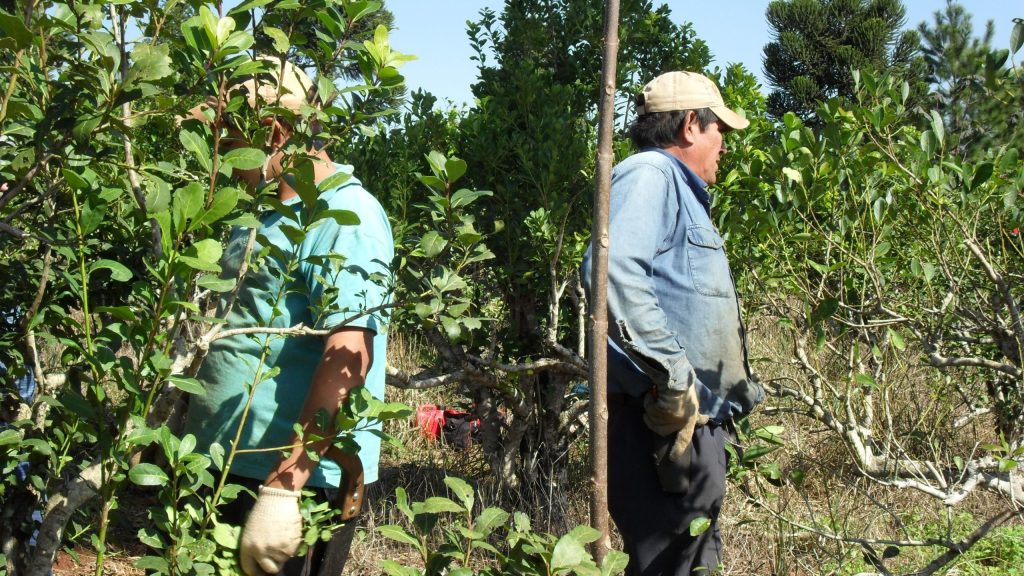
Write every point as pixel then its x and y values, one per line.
pixel 504 543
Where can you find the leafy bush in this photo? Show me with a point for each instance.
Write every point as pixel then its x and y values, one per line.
pixel 459 543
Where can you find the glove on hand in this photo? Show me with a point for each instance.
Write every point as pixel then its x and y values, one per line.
pixel 671 411
pixel 673 415
pixel 272 533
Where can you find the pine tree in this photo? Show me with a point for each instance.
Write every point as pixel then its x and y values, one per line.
pixel 818 42
pixel 979 99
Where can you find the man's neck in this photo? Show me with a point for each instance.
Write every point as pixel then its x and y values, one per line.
pixel 322 168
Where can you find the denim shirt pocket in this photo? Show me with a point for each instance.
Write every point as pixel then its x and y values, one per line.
pixel 709 268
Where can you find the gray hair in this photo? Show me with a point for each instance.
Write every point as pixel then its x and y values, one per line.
pixel 660 129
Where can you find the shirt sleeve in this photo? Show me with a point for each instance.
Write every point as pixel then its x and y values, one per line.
pixel 347 274
pixel 644 216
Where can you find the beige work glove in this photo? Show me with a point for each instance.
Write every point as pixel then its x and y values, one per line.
pixel 671 411
pixel 272 533
pixel 673 415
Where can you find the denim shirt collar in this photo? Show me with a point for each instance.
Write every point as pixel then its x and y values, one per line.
pixel 697 184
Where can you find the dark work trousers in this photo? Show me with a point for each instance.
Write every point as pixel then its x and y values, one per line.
pixel 310 564
pixel 655 525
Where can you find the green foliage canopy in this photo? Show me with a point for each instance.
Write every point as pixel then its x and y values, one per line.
pixel 817 43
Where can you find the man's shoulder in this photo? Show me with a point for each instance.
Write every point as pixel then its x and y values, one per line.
pixel 652 158
pixel 349 194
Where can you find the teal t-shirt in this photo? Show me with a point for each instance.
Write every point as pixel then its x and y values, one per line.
pixel 342 271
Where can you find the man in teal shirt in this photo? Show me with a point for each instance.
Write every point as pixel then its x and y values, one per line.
pixel 329 279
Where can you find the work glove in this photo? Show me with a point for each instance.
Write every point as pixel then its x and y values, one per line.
pixel 669 411
pixel 272 533
pixel 673 415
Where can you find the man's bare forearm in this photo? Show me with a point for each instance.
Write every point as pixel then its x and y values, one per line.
pixel 348 355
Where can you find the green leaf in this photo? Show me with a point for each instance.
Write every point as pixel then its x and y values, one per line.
pixel 217 455
pixel 435 505
pixel 203 255
pixel 75 181
pixel 938 128
pixel 245 221
pixel 149 62
pixel 14 28
pixel 280 39
pixel 38 446
pixel 865 380
pixel 224 201
pixel 392 568
pixel 928 142
pixel 188 202
pixel 358 10
pixel 152 564
pixel 93 212
pixel 981 174
pixel 825 310
pixel 196 144
pixel 151 537
pixel 120 312
pixel 436 160
pixel 569 552
pixel 463 491
pixel 226 535
pixel 215 283
pixel 245 158
pixel 341 217
pixel 398 534
pixel 118 272
pixel 188 444
pixel 756 451
pixel 770 433
pixel 186 384
pixel 334 180
pixel 432 244
pixel 896 340
pixel 142 436
pixel 1016 35
pixel 792 174
pixel 146 474
pixel 490 519
pixel 699 525
pixel 225 26
pixel 9 436
pixel 244 6
pixel 464 197
pixel 209 21
pixel 455 168
pixel 614 563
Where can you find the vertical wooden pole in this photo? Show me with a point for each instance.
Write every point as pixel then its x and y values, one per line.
pixel 598 338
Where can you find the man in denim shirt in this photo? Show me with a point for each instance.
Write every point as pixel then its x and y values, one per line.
pixel 677 356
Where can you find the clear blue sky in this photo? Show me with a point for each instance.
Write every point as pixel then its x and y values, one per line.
pixel 436 33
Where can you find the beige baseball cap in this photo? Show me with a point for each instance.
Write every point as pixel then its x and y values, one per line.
pixel 284 85
pixel 682 90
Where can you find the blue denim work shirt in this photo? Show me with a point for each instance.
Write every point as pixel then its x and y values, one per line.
pixel 673 313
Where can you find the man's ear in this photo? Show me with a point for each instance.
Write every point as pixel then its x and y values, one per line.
pixel 688 129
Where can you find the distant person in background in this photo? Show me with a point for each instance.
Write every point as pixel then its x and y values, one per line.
pixel 677 355
pixel 17 392
pixel 311 373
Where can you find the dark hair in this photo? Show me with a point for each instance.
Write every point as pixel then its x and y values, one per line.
pixel 660 129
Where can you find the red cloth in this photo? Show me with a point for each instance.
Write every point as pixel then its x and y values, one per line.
pixel 430 419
